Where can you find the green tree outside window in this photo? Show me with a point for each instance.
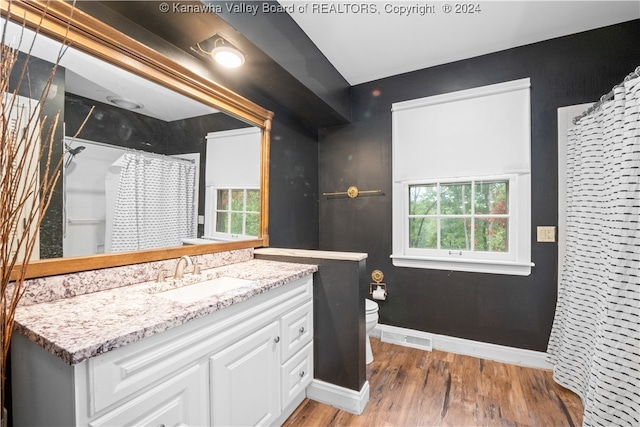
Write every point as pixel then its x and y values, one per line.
pixel 238 211
pixel 470 216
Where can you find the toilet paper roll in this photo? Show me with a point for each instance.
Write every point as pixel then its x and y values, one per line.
pixel 379 294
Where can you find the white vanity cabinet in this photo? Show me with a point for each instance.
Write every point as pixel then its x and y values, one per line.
pixel 248 364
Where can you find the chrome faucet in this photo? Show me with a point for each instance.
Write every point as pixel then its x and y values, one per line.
pixel 183 262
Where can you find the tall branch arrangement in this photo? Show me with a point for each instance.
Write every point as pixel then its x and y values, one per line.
pixel 28 179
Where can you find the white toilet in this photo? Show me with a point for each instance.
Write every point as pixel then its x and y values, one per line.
pixel 371 319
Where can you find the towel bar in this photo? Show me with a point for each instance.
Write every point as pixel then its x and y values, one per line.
pixel 352 192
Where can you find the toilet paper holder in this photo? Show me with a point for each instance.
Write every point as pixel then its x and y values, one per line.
pixel 377 284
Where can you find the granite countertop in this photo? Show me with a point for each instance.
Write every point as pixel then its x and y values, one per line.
pixel 84 326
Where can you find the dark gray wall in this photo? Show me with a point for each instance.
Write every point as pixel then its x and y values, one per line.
pixel 507 310
pixel 293 185
pixel 33 85
pixel 124 128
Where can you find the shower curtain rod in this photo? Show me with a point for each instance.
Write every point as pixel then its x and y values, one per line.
pixel 608 96
pixel 126 149
pixel 158 155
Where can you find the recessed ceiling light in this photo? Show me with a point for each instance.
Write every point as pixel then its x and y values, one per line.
pixel 125 103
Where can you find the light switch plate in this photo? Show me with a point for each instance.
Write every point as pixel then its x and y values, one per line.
pixel 546 233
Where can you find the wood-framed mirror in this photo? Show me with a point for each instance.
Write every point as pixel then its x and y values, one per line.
pixel 62 22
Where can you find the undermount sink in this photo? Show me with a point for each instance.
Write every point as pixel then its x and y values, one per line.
pixel 197 291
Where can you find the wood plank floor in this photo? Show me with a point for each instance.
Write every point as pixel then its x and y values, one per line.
pixel 412 387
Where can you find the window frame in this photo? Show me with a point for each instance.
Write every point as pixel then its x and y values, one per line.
pixel 514 262
pixel 464 253
pixel 211 217
pixel 451 136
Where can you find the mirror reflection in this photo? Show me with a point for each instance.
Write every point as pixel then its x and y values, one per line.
pixel 150 168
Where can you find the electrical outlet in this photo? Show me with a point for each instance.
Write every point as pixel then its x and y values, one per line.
pixel 546 234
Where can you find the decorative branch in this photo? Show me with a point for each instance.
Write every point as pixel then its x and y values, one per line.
pixel 28 178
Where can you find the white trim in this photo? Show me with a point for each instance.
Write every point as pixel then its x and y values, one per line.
pixel 211 217
pixel 461 95
pixel 233 132
pixel 312 253
pixel 439 253
pixel 346 399
pixel 499 353
pixel 519 261
pixel 467 264
pixel 483 350
pixel 195 158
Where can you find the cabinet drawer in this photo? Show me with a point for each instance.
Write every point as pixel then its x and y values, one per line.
pixel 119 374
pixel 297 374
pixel 181 400
pixel 296 329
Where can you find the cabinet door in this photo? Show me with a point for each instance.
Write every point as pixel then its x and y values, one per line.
pixel 245 380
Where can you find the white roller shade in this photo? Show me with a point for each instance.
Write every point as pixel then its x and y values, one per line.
pixel 233 158
pixel 475 132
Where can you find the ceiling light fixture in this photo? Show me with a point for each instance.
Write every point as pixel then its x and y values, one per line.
pixel 124 103
pixel 224 53
pixel 226 56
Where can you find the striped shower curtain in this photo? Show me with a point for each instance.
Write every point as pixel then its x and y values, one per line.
pixel 155 203
pixel 595 339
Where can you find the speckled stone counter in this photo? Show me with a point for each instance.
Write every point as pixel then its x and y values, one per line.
pixel 86 325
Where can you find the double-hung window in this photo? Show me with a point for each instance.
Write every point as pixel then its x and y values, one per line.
pixel 461 198
pixel 237 212
pixel 232 198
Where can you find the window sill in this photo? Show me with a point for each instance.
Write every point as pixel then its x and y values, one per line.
pixel 471 265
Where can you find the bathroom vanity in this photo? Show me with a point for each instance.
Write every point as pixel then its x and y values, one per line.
pixel 135 355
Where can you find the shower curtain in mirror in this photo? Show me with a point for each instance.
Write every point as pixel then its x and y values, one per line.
pixel 155 203
pixel 595 339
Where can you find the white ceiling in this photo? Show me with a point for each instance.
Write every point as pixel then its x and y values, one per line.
pixel 369 46
pixel 95 79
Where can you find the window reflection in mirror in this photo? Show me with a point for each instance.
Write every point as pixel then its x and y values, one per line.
pixel 232 185
pixel 135 116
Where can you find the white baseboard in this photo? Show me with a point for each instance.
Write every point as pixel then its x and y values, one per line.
pixel 346 399
pixel 483 350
